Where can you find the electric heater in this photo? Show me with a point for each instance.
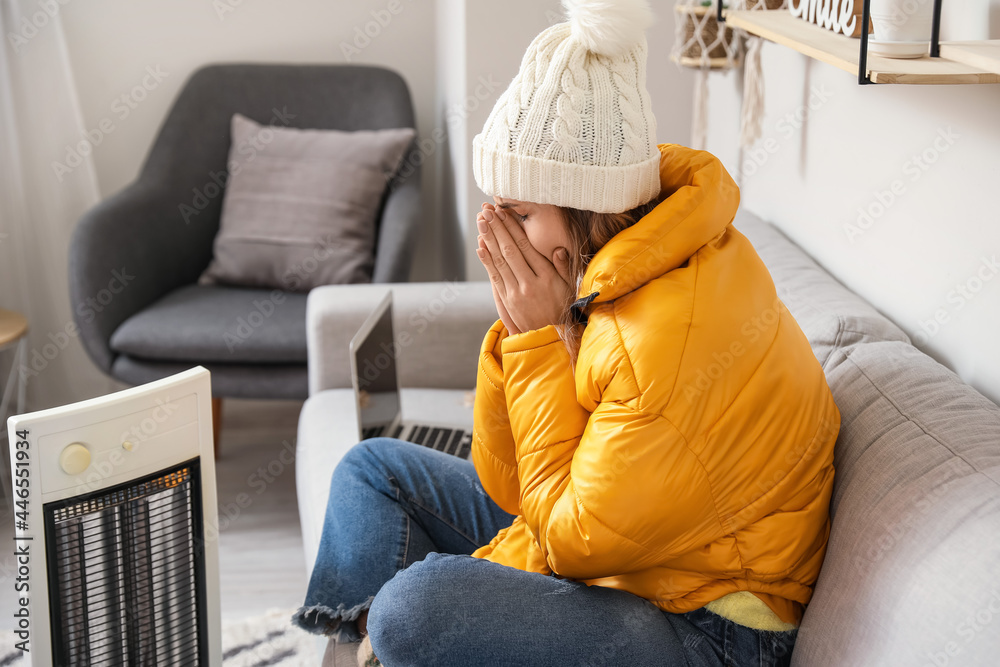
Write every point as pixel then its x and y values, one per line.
pixel 116 528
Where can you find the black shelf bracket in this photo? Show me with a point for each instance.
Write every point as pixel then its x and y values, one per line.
pixel 718 14
pixel 936 31
pixel 866 10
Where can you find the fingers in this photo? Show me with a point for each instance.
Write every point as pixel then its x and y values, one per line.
pixel 501 259
pixel 486 258
pixel 502 311
pixel 512 246
pixel 496 284
pixel 537 262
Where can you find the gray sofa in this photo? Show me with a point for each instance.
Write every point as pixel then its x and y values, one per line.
pixel 912 570
pixel 135 258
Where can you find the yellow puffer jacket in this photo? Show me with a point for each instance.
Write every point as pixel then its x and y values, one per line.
pixel 690 456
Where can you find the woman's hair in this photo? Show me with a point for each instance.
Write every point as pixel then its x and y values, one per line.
pixel 589 232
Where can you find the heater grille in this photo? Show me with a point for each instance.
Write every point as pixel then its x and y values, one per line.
pixel 127 573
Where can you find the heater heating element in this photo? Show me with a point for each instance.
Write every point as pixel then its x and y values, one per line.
pixel 126 575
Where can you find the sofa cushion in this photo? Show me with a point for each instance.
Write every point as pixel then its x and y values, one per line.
pixel 301 205
pixel 217 324
pixel 911 574
pixel 832 317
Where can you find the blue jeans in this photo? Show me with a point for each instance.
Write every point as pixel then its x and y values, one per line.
pixel 400 524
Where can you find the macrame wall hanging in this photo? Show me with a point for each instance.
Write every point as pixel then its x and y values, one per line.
pixel 705 44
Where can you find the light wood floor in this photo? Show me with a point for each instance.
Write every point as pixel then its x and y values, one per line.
pixel 260 548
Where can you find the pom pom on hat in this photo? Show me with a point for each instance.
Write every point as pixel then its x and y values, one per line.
pixel 608 27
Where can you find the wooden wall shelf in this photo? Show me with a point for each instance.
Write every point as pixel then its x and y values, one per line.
pixel 984 55
pixel 960 62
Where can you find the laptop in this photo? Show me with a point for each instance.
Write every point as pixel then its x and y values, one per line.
pixel 376 390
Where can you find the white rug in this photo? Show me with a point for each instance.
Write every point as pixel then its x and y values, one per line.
pixel 263 641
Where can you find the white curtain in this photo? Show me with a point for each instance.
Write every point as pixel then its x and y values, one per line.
pixel 39 120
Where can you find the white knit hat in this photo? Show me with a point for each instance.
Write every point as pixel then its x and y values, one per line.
pixel 576 128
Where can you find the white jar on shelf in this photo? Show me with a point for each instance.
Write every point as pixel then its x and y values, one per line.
pixel 902 28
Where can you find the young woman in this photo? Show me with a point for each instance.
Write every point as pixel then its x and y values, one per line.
pixel 653 436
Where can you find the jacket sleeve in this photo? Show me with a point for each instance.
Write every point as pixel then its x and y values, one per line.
pixel 492 441
pixel 590 482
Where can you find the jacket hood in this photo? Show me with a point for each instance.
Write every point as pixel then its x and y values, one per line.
pixel 701 201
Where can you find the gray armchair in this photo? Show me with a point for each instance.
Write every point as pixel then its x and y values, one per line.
pixel 135 258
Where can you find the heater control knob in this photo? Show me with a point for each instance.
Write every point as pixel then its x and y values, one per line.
pixel 74 459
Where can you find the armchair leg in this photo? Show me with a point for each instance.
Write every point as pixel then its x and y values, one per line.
pixel 216 423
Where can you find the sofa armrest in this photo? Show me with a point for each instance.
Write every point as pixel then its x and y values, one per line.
pixel 438 328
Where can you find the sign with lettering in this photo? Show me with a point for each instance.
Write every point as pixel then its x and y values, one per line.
pixel 843 16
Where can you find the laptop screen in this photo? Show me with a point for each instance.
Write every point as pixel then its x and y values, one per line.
pixel 374 369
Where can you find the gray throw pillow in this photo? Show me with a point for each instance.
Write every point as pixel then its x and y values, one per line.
pixel 300 206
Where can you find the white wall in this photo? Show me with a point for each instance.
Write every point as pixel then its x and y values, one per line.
pixel 852 146
pixel 921 162
pixel 452 47
pixel 439 47
pixel 513 25
pixel 111 42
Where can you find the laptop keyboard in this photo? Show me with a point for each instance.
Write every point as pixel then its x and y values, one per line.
pixel 372 432
pixel 453 441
